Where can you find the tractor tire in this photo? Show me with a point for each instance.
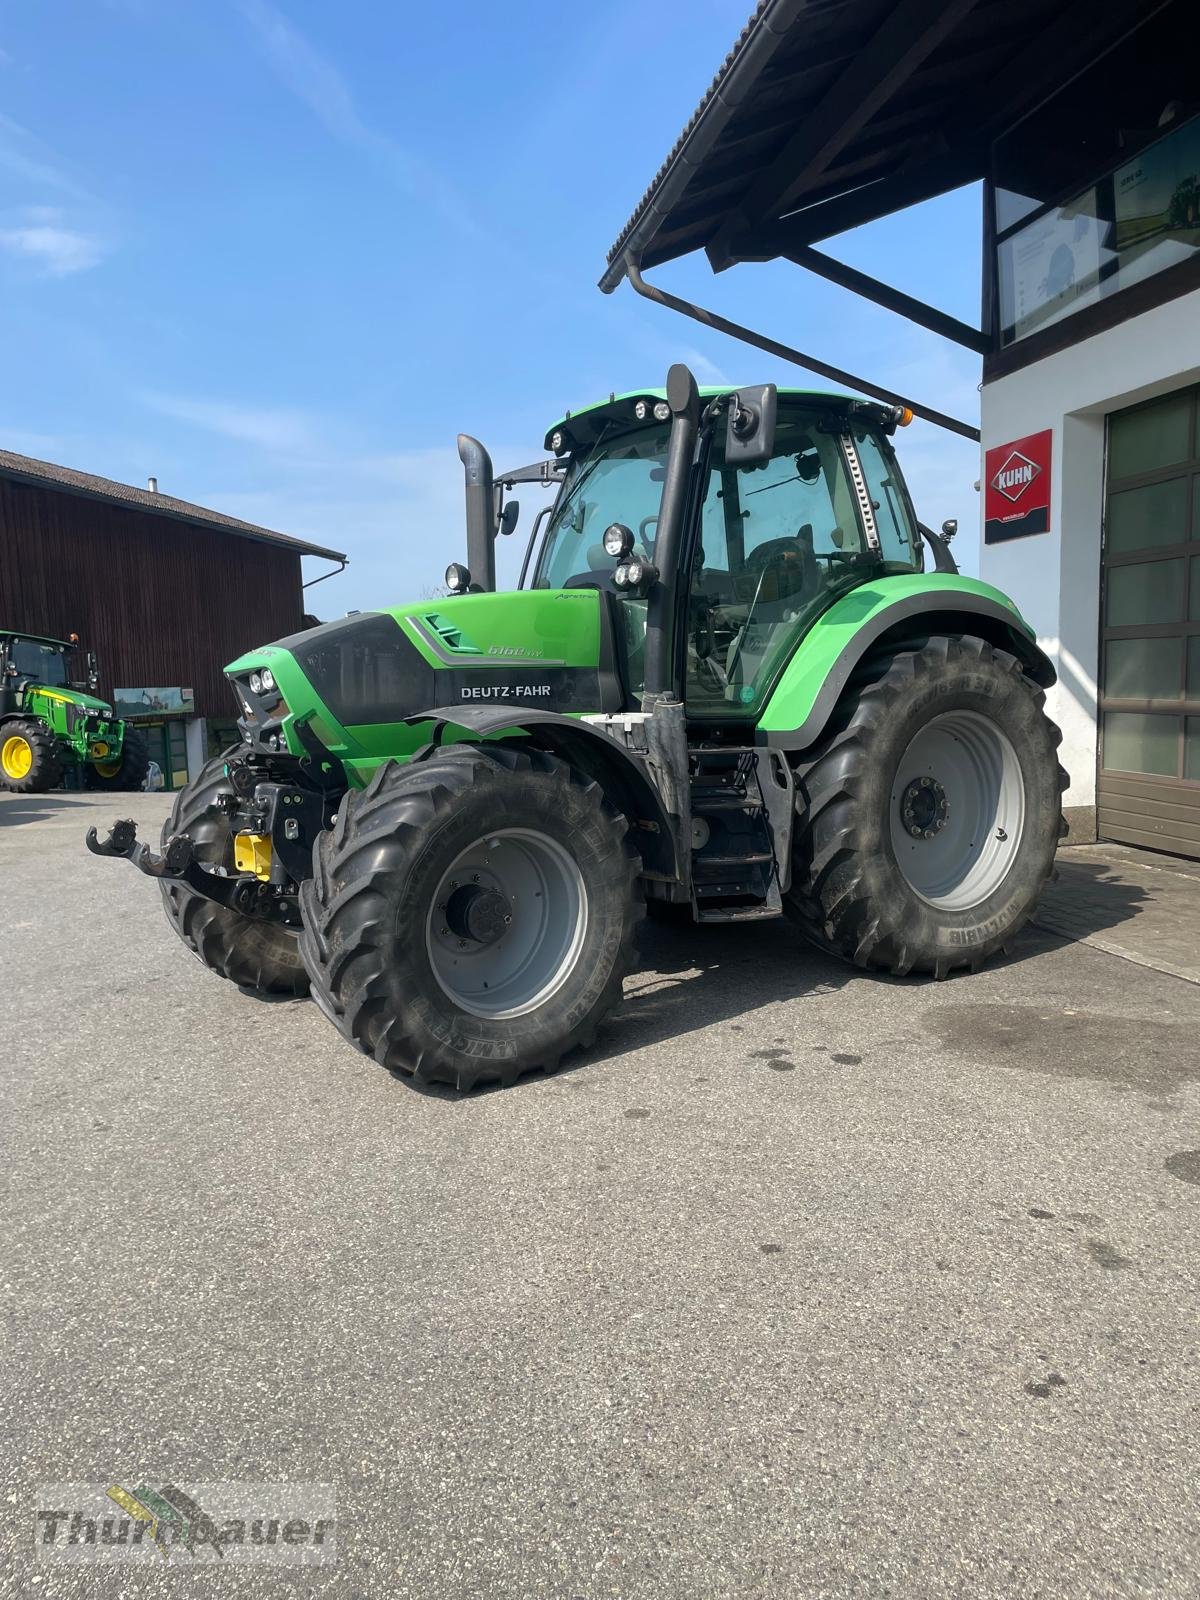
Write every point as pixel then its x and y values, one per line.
pixel 929 814
pixel 423 934
pixel 256 955
pixel 127 773
pixel 29 758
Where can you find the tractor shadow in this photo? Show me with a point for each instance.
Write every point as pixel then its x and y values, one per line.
pixel 1088 897
pixel 16 809
pixel 693 977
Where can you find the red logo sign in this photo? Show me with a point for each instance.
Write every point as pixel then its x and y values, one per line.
pixel 1017 488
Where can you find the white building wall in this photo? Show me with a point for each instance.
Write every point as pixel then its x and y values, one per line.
pixel 1055 577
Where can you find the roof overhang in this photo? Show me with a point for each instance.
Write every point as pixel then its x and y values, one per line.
pixel 828 114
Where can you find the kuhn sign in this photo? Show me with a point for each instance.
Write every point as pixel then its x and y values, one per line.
pixel 1017 488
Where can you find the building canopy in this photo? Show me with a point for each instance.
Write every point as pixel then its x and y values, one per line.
pixel 827 114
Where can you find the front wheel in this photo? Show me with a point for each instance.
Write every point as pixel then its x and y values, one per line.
pixel 930 812
pixel 126 771
pixel 471 917
pixel 29 758
pixel 248 951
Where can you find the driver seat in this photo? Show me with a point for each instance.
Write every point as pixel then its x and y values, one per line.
pixel 792 571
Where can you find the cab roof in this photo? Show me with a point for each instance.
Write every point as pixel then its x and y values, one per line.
pixel 38 638
pixel 583 425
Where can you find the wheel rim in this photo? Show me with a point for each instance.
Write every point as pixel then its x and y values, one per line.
pixel 108 769
pixel 16 757
pixel 957 810
pixel 507 923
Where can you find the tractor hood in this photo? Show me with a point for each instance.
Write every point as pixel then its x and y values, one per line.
pixel 74 697
pixel 358 678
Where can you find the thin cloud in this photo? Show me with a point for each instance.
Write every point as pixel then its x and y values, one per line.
pixel 277 428
pixel 55 250
pixel 317 83
pixel 26 157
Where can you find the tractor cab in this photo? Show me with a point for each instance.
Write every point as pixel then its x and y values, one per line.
pixel 772 535
pixel 26 658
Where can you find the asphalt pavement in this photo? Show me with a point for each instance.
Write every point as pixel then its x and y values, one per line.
pixel 801 1283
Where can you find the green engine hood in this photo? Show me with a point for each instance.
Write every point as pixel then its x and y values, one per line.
pixel 361 679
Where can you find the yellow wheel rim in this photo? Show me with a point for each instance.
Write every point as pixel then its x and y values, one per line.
pixel 16 756
pixel 108 769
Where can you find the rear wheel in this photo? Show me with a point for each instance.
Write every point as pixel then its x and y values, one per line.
pixel 255 954
pixel 126 771
pixel 29 758
pixel 930 812
pixel 471 917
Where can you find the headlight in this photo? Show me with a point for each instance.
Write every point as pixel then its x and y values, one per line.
pixel 661 410
pixel 268 678
pixel 458 579
pixel 618 540
pixel 642 410
pixel 256 682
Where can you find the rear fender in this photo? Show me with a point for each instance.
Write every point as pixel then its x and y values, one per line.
pixel 882 616
pixel 623 776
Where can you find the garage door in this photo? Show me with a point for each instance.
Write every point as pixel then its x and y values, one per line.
pixel 1149 787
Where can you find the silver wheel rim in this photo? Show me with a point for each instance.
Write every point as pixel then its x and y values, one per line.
pixel 957 810
pixel 507 923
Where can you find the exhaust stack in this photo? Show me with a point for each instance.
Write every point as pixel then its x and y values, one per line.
pixel 481 512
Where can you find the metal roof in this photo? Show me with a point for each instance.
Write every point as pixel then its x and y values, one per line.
pixel 829 113
pixel 45 474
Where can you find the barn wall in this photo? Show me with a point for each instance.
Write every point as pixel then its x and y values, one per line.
pixel 160 602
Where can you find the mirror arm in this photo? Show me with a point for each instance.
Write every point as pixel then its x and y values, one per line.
pixel 943 561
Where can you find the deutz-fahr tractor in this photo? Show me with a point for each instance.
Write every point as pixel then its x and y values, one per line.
pixel 48 723
pixel 726 686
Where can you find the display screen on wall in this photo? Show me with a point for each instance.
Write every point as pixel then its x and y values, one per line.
pixel 1135 222
pixel 154 702
pixel 1156 201
pixel 1052 267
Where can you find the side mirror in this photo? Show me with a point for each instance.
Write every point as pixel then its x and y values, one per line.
pixel 949 528
pixel 508 517
pixel 750 429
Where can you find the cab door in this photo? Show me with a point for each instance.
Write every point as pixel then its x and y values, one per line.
pixel 776 541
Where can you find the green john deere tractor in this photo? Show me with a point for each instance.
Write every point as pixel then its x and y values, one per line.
pixel 48 723
pixel 728 686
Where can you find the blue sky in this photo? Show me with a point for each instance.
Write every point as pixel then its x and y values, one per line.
pixel 279 254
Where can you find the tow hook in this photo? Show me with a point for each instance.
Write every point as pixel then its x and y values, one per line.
pixel 178 864
pixel 122 840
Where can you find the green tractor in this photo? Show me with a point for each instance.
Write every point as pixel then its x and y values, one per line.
pixel 726 686
pixel 48 723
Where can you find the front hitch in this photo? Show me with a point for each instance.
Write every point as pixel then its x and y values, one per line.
pixel 240 893
pixel 123 841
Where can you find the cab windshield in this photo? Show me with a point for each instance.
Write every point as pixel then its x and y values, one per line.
pixel 44 663
pixel 619 480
